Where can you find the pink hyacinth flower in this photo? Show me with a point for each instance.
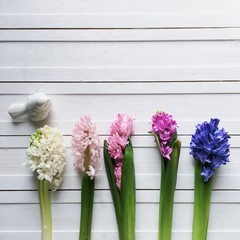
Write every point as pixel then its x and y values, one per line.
pixel 120 131
pixel 116 144
pixel 86 147
pixel 123 125
pixel 118 173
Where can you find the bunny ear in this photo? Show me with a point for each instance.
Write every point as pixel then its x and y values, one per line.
pixel 17 110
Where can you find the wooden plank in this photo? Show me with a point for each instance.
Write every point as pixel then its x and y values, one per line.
pixel 169 73
pixel 118 21
pixel 143 181
pixel 141 235
pixel 104 196
pixel 19 127
pixel 120 54
pixel 62 213
pixel 121 88
pixel 107 6
pixel 133 35
pixel 191 107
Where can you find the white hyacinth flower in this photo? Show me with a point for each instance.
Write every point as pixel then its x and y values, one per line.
pixel 46 155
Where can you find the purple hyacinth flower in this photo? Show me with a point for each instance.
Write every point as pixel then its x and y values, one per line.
pixel 164 126
pixel 210 146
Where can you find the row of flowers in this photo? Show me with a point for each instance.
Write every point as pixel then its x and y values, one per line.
pixel 46 156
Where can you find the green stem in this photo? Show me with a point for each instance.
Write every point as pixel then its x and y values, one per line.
pixel 45 209
pixel 128 195
pixel 202 199
pixel 198 233
pixel 168 185
pixel 86 207
pixel 208 191
pixel 113 187
pixel 162 199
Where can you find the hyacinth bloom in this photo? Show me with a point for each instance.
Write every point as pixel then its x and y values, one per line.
pixel 118 158
pixel 164 129
pixel 120 132
pixel 209 146
pixel 86 147
pixel 46 156
pixel 86 151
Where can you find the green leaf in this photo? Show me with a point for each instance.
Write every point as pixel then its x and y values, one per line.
pixel 128 195
pixel 168 185
pixel 163 160
pixel 113 187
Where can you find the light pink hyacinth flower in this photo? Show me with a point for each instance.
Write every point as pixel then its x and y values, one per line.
pixel 86 147
pixel 120 131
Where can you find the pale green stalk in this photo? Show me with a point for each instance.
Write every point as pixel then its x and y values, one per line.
pixel 87 197
pixel 45 209
pixel 202 199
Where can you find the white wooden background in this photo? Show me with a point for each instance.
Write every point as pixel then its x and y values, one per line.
pixel 104 57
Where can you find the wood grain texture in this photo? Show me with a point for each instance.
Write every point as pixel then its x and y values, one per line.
pixel 166 55
pixel 109 14
pixel 119 54
pixel 100 58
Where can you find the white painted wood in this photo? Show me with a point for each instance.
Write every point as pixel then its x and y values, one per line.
pixel 101 58
pixel 120 74
pixel 107 6
pixel 141 107
pixel 119 54
pixel 22 127
pixel 121 88
pixel 60 235
pixel 97 62
pixel 104 196
pixel 159 19
pixel 12 215
pixel 11 222
pixel 116 35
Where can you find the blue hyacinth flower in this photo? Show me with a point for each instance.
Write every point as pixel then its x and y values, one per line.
pixel 210 146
